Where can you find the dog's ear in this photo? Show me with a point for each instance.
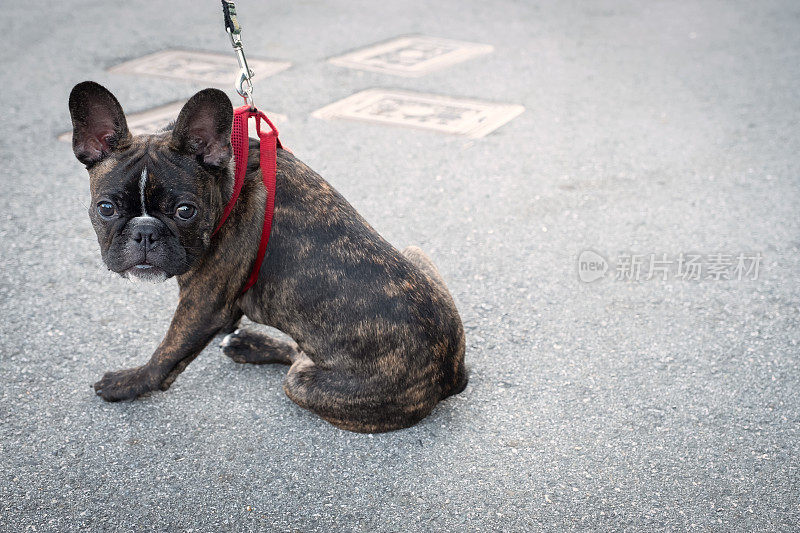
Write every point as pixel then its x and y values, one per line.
pixel 98 122
pixel 203 128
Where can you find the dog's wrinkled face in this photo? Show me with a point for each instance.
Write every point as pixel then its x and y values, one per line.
pixel 155 198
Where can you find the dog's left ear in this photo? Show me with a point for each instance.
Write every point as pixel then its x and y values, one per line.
pixel 203 127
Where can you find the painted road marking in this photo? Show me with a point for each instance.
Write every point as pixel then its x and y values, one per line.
pixel 457 116
pixel 204 67
pixel 158 118
pixel 411 56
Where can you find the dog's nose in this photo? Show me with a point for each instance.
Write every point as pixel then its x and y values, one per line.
pixel 146 234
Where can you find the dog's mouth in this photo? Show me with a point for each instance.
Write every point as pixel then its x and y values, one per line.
pixel 145 272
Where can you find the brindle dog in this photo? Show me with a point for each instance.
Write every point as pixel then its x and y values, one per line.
pixel 377 337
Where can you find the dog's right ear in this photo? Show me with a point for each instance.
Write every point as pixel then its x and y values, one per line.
pixel 98 122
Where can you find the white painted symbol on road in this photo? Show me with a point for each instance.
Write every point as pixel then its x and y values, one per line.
pixel 411 56
pixel 204 67
pixel 471 118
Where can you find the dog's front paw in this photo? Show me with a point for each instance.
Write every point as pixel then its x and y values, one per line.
pixel 124 384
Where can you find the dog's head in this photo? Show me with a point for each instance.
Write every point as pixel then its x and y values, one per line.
pixel 155 198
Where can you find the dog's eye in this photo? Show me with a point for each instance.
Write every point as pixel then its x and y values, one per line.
pixel 106 209
pixel 185 211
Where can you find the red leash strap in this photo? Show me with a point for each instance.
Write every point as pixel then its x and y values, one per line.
pixel 240 144
pixel 269 145
pixel 269 168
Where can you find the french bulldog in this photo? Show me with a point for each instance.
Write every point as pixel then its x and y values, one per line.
pixel 377 340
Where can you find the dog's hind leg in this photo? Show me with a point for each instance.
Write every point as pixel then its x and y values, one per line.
pixel 256 348
pixel 416 256
pixel 355 403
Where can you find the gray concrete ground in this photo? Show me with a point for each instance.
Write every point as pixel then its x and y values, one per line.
pixel 650 127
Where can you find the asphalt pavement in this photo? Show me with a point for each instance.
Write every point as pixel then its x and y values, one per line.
pixel 645 400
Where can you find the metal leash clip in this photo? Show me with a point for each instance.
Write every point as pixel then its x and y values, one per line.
pixel 244 82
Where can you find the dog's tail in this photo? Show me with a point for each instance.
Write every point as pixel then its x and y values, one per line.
pixel 424 263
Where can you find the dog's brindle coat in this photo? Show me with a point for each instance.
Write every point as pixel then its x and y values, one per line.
pixel 377 337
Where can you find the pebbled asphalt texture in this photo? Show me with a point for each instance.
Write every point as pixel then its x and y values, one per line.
pixel 650 127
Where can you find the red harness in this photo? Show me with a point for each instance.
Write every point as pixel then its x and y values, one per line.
pixel 268 159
